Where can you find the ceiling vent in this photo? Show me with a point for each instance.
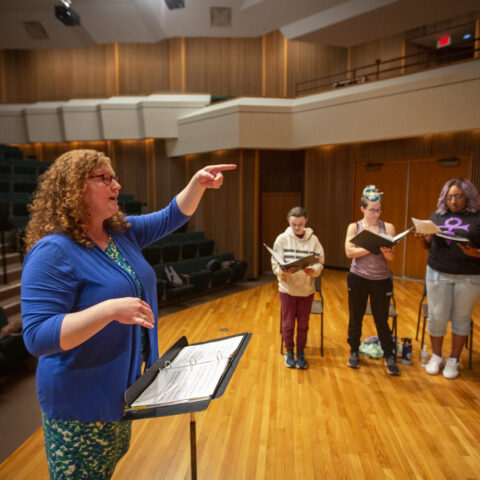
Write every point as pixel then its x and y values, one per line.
pixel 220 16
pixel 35 30
pixel 174 4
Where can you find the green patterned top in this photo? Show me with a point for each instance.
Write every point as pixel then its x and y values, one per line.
pixel 120 260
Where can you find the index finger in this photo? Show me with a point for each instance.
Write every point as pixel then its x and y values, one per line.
pixel 222 167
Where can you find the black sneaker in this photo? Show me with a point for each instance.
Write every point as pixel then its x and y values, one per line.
pixel 354 360
pixel 392 368
pixel 289 360
pixel 301 362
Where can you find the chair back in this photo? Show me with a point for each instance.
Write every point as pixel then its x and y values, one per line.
pixel 3 318
pixel 317 305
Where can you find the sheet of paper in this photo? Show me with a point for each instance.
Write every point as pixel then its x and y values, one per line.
pixel 455 238
pixel 182 384
pixel 192 375
pixel 206 352
pixel 275 255
pixel 398 237
pixel 427 227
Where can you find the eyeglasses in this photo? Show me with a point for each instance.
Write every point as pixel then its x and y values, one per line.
pixel 107 179
pixel 458 196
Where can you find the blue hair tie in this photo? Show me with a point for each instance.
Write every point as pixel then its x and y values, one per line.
pixel 371 193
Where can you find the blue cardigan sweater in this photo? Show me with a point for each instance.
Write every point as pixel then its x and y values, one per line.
pixel 60 276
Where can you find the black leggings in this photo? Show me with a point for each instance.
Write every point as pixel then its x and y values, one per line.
pixel 380 292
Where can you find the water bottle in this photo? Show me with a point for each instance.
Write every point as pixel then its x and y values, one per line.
pixel 424 356
pixel 407 351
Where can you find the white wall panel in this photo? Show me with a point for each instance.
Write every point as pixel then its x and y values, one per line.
pixel 13 125
pixel 45 122
pixel 82 120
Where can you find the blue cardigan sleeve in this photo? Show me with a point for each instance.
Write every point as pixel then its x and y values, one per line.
pixel 154 226
pixel 48 293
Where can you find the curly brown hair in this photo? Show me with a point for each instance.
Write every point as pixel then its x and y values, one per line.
pixel 58 204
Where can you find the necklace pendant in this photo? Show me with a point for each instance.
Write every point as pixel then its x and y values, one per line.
pixel 112 254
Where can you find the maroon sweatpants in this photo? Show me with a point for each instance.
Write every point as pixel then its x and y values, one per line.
pixel 299 308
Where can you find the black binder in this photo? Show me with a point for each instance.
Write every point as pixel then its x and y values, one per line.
pixel 133 392
pixel 372 241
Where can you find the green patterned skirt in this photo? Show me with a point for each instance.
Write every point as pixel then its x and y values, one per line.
pixel 77 450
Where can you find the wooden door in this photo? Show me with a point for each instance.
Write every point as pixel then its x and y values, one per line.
pixel 275 207
pixel 390 178
pixel 425 183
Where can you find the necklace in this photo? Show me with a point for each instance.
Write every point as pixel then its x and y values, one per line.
pixel 111 252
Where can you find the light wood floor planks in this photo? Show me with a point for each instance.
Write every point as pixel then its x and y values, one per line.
pixel 328 422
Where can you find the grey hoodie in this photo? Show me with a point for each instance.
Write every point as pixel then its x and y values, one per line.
pixel 291 247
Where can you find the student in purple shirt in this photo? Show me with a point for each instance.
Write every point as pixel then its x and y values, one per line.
pixel 453 272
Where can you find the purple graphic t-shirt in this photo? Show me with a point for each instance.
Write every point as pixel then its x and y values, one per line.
pixel 445 255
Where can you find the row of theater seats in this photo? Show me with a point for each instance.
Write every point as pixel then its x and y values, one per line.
pixel 178 246
pixel 12 349
pixel 18 180
pixel 185 266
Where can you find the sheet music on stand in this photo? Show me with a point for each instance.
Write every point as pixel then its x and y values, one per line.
pixel 193 374
pixel 185 378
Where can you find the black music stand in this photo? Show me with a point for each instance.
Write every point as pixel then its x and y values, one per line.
pixel 132 393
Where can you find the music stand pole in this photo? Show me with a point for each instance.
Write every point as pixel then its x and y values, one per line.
pixel 193 446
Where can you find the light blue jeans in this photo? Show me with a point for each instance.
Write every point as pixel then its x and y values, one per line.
pixel 451 297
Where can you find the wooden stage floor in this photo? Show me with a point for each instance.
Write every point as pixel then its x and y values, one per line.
pixel 326 422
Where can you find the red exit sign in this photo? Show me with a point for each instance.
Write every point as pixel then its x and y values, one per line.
pixel 444 41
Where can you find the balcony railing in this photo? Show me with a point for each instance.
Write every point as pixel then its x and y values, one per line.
pixel 392 67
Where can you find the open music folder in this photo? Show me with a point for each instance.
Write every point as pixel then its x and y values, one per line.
pixel 373 241
pixel 186 378
pixel 299 264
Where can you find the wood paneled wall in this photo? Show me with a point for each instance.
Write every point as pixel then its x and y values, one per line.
pixel 144 68
pixel 223 66
pixel 3 82
pixel 269 66
pixel 264 66
pixel 37 75
pixel 282 171
pixel 219 215
pixel 275 54
pixel 383 49
pixel 177 64
pixel 329 180
pixel 309 60
pixel 251 238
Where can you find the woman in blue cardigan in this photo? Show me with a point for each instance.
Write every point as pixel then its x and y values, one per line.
pixel 89 305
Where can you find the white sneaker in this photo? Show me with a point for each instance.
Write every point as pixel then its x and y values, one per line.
pixel 434 364
pixel 451 368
